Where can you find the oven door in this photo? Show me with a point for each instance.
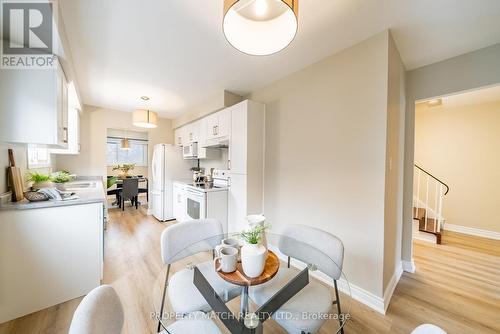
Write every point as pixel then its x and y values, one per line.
pixel 195 205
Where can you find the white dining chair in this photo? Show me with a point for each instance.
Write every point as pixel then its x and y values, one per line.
pixel 428 329
pixel 180 241
pixel 101 312
pixel 311 246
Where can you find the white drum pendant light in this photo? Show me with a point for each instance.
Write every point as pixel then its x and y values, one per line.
pixel 145 119
pixel 260 27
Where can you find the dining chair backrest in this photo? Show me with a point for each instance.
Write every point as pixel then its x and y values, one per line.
pixel 100 312
pixel 130 188
pixel 313 246
pixel 188 238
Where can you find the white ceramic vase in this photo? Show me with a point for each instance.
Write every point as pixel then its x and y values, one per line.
pixel 257 220
pixel 253 259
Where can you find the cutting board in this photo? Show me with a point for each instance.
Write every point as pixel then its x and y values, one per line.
pixel 16 179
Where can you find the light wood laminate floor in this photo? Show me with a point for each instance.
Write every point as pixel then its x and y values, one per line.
pixel 456 286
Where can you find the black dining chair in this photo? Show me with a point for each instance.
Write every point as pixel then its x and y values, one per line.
pixel 145 190
pixel 129 192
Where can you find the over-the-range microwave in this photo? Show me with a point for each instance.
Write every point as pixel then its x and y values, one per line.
pixel 190 151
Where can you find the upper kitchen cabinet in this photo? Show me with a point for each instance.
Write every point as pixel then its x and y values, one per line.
pixel 34 107
pixel 192 132
pixel 72 131
pixel 218 125
pixel 180 136
pixel 246 151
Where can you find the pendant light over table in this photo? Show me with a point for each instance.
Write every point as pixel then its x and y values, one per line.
pixel 260 27
pixel 145 119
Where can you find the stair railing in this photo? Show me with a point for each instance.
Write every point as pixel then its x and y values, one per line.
pixel 436 196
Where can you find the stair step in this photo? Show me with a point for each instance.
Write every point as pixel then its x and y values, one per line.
pixel 418 213
pixel 431 225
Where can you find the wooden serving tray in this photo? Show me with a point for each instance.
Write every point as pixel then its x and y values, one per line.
pixel 239 278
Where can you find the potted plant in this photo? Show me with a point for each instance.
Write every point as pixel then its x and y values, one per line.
pixel 39 180
pixel 124 169
pixel 253 253
pixel 61 177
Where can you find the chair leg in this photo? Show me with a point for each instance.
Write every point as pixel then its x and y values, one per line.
pixel 163 299
pixel 123 204
pixel 136 202
pixel 337 301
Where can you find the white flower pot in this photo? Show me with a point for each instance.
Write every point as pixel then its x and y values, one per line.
pixel 40 185
pixel 253 259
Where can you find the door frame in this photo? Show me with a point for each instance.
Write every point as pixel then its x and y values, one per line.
pixel 471 71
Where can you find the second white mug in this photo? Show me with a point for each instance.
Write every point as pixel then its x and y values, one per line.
pixel 228 258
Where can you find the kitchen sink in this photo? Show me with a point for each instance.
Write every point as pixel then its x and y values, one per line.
pixel 80 185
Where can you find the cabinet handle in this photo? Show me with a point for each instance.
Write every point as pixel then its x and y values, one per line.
pixel 216 130
pixel 65 140
pixel 213 130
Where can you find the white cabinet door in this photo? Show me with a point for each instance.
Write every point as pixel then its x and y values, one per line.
pixel 193 132
pixel 237 203
pixel 239 143
pixel 179 202
pixel 32 107
pixel 180 136
pixel 212 122
pixel 224 123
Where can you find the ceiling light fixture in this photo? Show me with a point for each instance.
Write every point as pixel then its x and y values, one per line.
pixel 260 27
pixel 145 98
pixel 125 144
pixel 434 103
pixel 145 119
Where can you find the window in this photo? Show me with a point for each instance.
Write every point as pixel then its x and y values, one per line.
pixel 38 156
pixel 138 153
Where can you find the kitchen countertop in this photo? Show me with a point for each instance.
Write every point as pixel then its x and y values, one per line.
pixel 189 184
pixel 88 189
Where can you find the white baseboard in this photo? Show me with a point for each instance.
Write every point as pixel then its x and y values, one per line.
pixel 357 293
pixel 472 231
pixel 408 266
pixel 392 285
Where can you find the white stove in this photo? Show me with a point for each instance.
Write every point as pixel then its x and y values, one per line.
pixel 209 200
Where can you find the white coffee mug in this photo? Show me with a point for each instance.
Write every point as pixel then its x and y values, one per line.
pixel 228 258
pixel 231 242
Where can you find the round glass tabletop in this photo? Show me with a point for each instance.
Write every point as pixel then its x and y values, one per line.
pixel 221 284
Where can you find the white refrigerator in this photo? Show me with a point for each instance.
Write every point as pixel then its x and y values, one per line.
pixel 167 166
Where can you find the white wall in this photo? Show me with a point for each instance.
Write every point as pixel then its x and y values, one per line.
pixel 395 163
pixel 21 159
pixel 469 71
pixel 326 153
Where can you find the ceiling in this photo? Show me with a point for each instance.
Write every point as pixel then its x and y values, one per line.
pixel 174 51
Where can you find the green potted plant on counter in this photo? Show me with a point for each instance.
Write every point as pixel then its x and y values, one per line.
pixel 40 180
pixel 60 178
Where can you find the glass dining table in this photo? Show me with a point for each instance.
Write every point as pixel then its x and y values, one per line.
pixel 296 294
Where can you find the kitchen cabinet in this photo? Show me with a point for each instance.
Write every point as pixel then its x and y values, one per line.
pixel 180 136
pixel 179 201
pixel 246 153
pixel 72 123
pixel 192 131
pixel 218 124
pixel 49 256
pixel 33 107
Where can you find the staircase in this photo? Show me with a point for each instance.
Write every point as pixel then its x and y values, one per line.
pixel 428 195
